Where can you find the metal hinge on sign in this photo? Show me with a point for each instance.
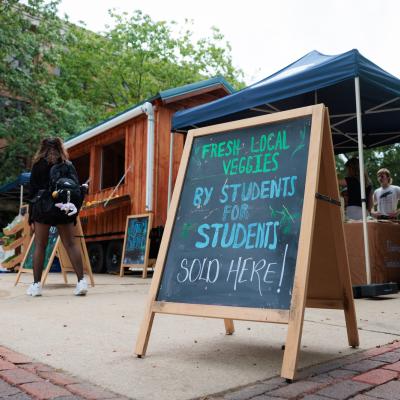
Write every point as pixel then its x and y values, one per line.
pixel 320 196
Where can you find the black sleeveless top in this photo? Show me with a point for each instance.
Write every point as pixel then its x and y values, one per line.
pixel 354 191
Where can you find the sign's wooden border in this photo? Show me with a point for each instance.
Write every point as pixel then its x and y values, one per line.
pixel 317 216
pixel 145 264
pixel 61 253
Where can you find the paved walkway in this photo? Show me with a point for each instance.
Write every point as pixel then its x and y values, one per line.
pixel 24 379
pixel 369 375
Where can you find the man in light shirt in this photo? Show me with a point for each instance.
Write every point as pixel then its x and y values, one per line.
pixel 386 197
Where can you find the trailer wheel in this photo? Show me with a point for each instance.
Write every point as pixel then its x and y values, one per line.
pixel 113 256
pixel 96 257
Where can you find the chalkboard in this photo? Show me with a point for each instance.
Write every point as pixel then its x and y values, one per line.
pixel 254 230
pixel 235 235
pixel 28 262
pixel 136 241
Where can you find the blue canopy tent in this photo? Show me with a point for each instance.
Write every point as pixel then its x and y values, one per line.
pixel 363 102
pixel 12 190
pixel 316 78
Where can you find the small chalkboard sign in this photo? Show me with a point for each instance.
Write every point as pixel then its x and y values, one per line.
pixel 50 252
pixel 55 248
pixel 253 219
pixel 135 252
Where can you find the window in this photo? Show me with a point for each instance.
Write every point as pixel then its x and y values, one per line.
pixel 82 165
pixel 113 164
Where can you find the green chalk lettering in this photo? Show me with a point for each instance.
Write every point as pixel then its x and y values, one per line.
pixel 205 149
pixel 214 148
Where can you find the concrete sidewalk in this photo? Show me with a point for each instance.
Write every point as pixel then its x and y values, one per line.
pixel 91 339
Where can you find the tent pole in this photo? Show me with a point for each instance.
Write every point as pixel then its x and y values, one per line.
pixel 362 179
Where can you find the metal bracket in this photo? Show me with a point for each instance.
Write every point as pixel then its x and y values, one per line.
pixel 320 196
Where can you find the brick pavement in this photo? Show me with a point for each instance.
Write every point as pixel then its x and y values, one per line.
pixel 369 375
pixel 23 379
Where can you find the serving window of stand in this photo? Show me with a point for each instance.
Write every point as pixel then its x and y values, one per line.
pixel 254 230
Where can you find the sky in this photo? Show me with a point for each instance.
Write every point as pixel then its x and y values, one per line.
pixel 267 35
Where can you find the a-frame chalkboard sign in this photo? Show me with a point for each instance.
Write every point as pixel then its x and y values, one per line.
pixel 254 230
pixel 55 248
pixel 135 251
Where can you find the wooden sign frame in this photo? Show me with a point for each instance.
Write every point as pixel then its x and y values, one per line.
pixel 145 264
pixel 61 253
pixel 322 277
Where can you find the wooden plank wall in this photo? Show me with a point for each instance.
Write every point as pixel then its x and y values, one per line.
pixel 99 221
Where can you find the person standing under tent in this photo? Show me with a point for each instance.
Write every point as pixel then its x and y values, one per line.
pixel 353 190
pixel 43 214
pixel 386 197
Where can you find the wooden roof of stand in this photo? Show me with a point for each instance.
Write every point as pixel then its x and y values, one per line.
pixel 179 98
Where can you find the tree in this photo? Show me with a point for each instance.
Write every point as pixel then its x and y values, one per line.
pixel 58 78
pixel 31 39
pixel 136 59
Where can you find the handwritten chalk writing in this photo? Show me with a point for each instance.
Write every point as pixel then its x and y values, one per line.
pixel 136 241
pixel 268 189
pixel 267 162
pixel 221 149
pixel 198 270
pixel 137 235
pixel 198 196
pixel 249 270
pixel 270 142
pixel 236 212
pixel 258 235
pixel 235 233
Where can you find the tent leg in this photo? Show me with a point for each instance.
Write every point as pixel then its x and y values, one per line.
pixel 362 179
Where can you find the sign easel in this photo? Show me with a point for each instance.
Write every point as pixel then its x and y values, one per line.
pixel 56 248
pixel 135 251
pixel 254 230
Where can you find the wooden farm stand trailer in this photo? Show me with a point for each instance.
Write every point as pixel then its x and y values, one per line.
pixel 131 161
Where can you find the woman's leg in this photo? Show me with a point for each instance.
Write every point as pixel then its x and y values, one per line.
pixel 71 245
pixel 41 238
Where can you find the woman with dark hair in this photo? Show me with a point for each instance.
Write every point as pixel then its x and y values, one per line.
pixel 353 191
pixel 43 214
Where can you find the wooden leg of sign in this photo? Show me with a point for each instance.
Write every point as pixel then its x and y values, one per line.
pixel 292 345
pixel 328 164
pixel 64 276
pixel 351 321
pixel 47 267
pixel 18 275
pixel 121 271
pixel 86 262
pixel 144 334
pixel 229 327
pixel 300 283
pixel 62 266
pixel 44 276
pixel 145 266
pixel 21 267
pixel 84 253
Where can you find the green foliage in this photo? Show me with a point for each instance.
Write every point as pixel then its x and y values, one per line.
pixel 57 78
pixel 375 159
pixel 30 106
pixel 136 59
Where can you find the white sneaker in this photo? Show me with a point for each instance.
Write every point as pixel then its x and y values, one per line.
pixel 35 289
pixel 81 288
